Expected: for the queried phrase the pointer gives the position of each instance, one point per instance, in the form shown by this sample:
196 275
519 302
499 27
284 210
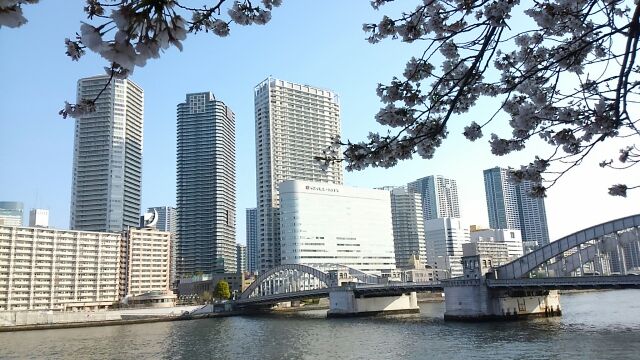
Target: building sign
321 188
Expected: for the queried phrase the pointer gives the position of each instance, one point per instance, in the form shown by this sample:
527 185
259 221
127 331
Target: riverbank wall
32 319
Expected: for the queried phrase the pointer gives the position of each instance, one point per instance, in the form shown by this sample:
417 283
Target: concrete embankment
36 320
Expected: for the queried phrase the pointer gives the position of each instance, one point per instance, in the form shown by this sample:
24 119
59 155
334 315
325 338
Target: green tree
222 290
206 296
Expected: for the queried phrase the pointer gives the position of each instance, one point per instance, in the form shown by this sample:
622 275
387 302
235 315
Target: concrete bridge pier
343 302
468 298
478 303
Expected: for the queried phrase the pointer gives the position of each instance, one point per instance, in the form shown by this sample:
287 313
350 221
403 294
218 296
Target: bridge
604 256
295 282
610 250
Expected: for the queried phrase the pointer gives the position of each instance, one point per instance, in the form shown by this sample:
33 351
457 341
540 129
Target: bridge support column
345 303
478 303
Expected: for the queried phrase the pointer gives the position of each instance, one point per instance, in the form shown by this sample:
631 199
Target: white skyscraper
445 237
294 123
408 226
439 196
510 207
107 156
324 223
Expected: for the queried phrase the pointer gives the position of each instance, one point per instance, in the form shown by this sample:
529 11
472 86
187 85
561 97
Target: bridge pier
468 298
343 302
479 303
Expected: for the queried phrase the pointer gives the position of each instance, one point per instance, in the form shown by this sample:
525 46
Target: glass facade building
11 213
252 240
206 186
509 206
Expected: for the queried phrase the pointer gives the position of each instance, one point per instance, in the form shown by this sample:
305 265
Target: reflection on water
595 325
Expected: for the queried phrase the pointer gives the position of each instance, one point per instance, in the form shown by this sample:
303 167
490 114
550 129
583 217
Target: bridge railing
568 282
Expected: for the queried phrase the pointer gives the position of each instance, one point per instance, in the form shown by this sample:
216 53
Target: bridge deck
358 290
569 283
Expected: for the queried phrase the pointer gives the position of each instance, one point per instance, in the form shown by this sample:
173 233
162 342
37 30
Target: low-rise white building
39 218
323 223
496 251
512 238
58 269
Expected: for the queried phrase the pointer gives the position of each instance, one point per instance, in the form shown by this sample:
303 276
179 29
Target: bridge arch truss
287 278
572 251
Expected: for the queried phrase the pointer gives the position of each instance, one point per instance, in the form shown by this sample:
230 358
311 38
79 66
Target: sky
319 43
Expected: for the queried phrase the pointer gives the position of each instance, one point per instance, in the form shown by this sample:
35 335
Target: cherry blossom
474 49
11 12
566 73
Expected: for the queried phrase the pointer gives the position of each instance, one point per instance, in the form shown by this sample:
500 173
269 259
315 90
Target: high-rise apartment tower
252 240
439 196
510 207
241 255
294 123
206 186
408 226
107 156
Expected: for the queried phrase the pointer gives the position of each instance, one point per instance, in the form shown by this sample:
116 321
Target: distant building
241 256
107 156
75 269
196 285
323 223
145 261
39 218
253 258
439 196
445 237
498 252
510 207
408 226
167 221
11 213
511 238
206 186
166 218
417 271
294 123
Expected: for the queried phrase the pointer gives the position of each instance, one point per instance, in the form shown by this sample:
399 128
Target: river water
595 325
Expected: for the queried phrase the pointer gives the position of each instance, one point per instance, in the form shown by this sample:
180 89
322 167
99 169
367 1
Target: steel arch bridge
572 252
286 280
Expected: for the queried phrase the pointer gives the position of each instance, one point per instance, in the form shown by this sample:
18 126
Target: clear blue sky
312 42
